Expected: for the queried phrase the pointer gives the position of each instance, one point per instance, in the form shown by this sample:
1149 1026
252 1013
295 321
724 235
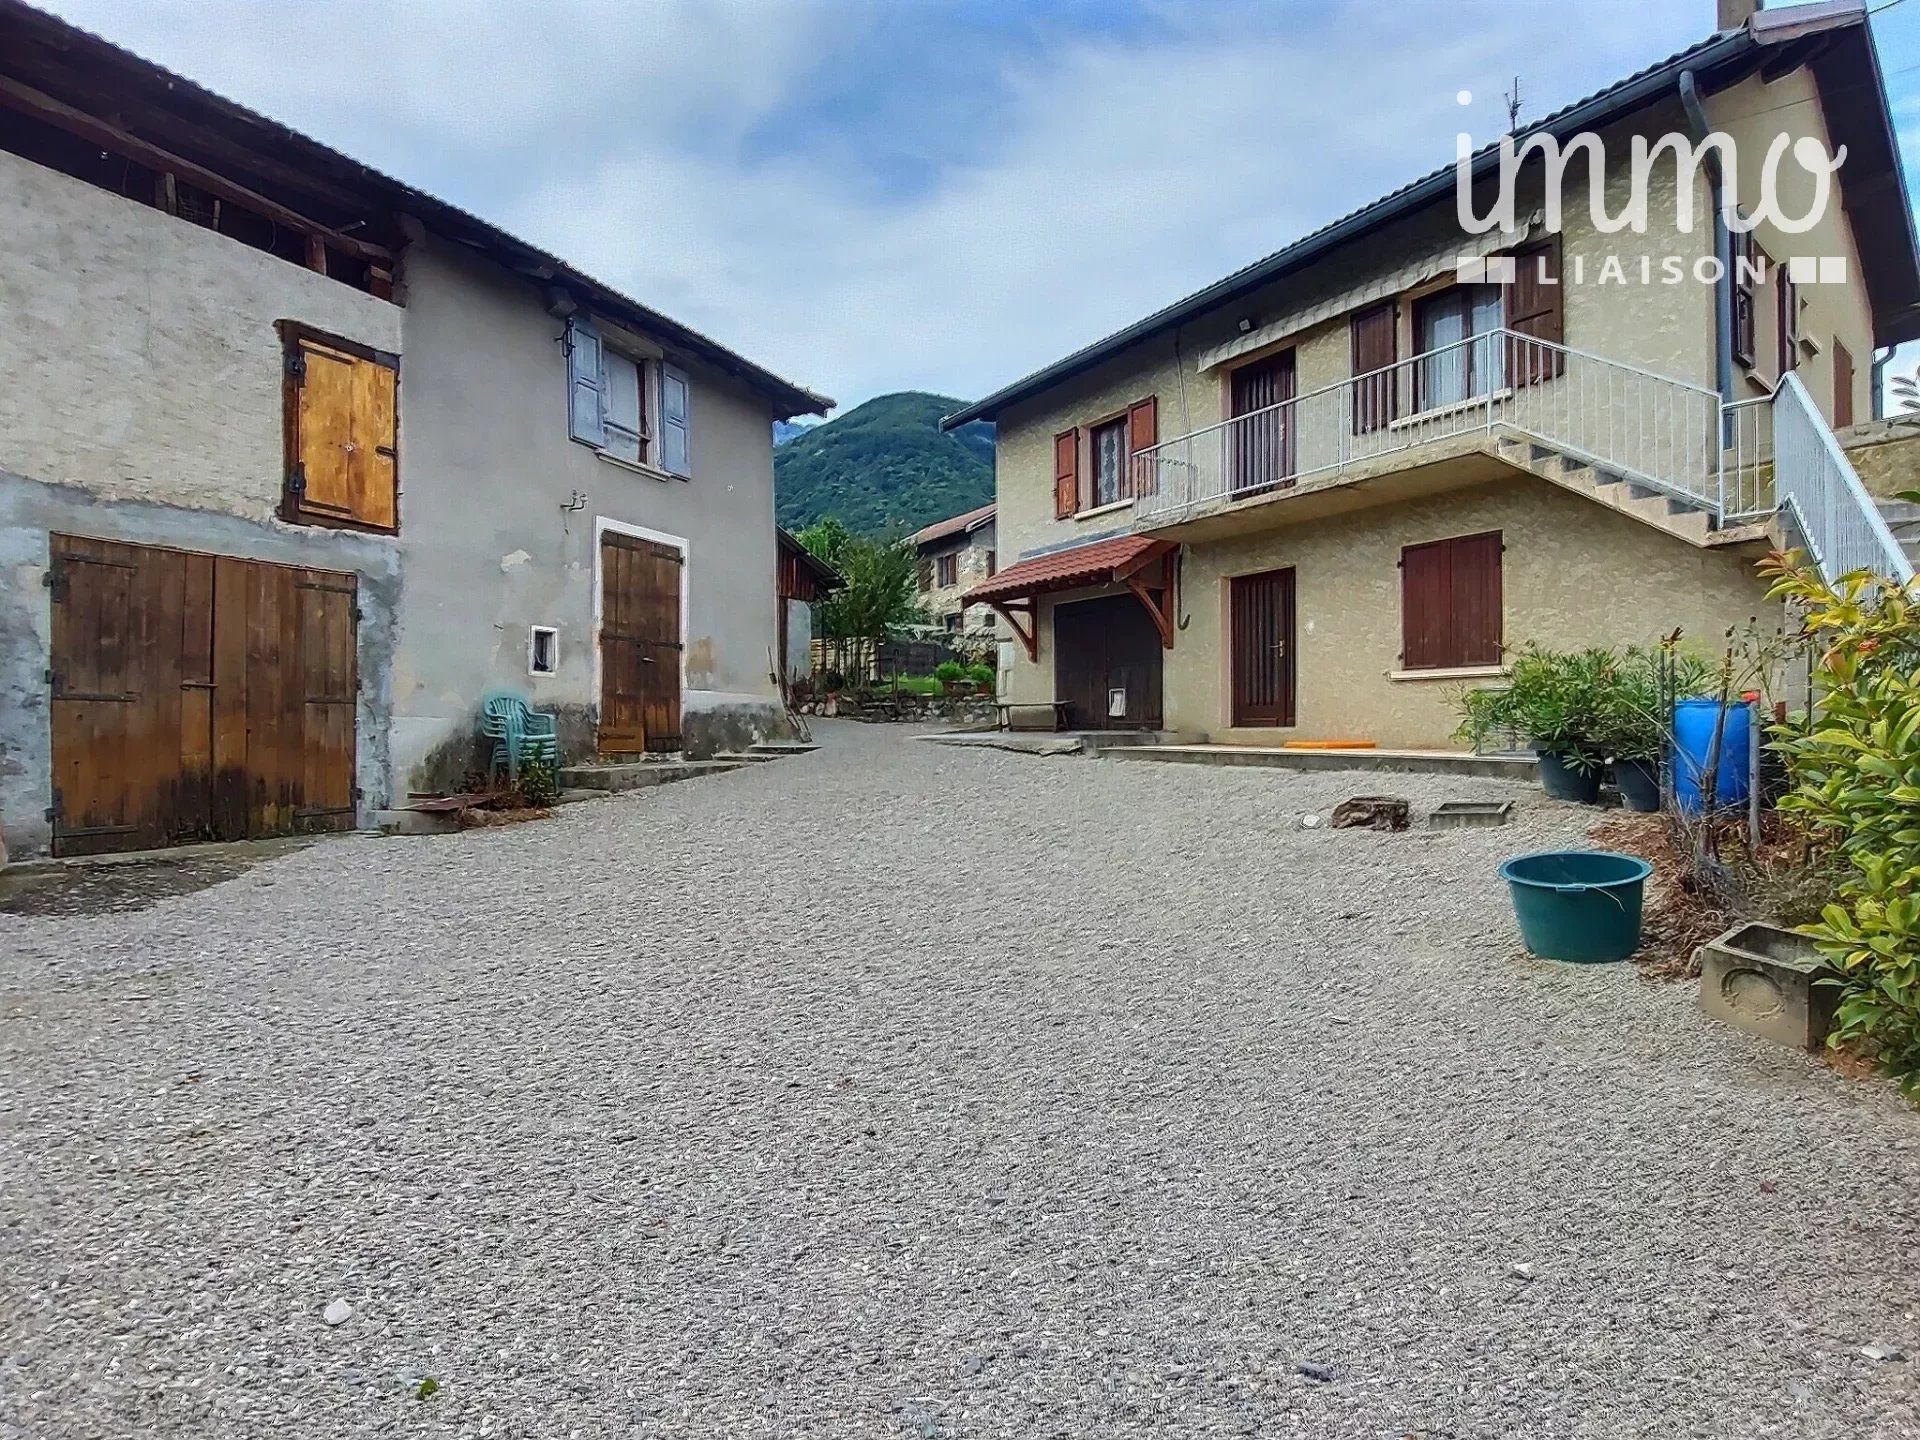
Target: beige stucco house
298 463
955 555
1318 498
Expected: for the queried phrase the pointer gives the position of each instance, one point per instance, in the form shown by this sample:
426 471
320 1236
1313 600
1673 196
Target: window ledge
638 467
1454 672
1106 509
1439 412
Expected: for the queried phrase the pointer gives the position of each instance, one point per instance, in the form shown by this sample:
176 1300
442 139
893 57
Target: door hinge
297 365
359 794
55 579
53 811
297 480
49 679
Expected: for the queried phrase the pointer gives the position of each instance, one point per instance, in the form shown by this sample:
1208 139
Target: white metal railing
1746 464
1648 428
1816 485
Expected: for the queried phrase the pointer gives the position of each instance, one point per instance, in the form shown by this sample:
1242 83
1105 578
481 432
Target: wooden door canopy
1142 564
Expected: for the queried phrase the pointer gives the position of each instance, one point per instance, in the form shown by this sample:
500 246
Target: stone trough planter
1760 979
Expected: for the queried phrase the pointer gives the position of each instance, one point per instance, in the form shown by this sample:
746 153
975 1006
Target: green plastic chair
519 734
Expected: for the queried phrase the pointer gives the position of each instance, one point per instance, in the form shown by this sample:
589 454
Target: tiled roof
952 525
1102 563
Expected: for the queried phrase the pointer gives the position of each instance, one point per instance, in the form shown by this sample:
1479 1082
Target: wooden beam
28 101
1029 634
1159 610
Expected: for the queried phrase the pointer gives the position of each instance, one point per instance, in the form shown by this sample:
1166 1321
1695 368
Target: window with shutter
1451 603
676 442
1066 474
585 419
1787 322
1742 277
342 440
1534 310
1375 338
1143 433
625 414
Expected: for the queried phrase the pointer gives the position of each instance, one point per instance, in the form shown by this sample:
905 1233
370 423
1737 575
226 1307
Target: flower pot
1564 781
1639 784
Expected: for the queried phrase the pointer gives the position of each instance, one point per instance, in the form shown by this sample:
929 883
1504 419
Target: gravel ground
907 1091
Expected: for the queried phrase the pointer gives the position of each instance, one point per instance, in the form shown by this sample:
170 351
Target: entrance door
1106 664
639 645
197 697
1261 449
1260 652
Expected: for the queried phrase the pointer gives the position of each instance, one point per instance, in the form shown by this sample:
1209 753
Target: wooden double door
640 644
197 697
1107 664
1260 639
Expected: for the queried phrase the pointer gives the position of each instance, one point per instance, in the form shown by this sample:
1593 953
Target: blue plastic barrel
1693 722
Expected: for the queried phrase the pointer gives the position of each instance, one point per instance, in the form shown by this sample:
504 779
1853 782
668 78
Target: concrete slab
781 747
641 774
1469 814
1397 762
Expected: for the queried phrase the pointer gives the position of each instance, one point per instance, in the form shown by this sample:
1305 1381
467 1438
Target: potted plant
1557 700
952 676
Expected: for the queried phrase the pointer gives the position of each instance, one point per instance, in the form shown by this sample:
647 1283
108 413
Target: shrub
539 784
832 681
1854 764
984 676
1584 705
948 671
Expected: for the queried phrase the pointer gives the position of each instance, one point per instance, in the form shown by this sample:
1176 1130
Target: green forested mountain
884 466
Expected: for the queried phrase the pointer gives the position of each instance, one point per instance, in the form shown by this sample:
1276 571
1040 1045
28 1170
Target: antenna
1513 106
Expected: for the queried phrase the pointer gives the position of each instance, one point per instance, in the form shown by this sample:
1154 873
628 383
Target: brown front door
197 697
1260 652
639 645
1106 664
1261 449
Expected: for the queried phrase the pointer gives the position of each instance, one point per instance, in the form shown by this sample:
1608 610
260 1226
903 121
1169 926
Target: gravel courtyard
901 1090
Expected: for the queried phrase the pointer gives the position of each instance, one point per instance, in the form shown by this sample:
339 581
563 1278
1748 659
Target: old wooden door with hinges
197 697
640 645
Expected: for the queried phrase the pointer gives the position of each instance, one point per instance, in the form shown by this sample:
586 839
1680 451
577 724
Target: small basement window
543 650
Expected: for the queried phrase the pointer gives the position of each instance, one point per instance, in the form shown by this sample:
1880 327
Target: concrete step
641 774
1398 762
745 757
781 747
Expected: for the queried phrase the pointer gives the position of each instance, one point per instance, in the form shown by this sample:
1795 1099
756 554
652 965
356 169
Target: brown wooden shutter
1143 433
1787 320
1534 309
1376 346
926 573
1451 602
342 420
1740 277
1066 473
1842 386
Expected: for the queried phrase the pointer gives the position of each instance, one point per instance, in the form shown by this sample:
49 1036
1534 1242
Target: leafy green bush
539 784
983 676
948 671
1584 705
1854 763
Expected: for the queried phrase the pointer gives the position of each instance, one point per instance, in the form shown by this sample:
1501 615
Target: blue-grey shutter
676 450
584 418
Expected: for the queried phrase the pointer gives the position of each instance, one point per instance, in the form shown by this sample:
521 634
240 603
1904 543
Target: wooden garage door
197 697
639 645
1106 664
1260 659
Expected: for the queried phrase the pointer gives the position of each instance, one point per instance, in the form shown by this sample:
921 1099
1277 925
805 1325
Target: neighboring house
955 555
804 580
1319 497
298 463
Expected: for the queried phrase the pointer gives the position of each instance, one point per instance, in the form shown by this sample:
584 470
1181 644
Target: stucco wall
487 467
140 359
140 401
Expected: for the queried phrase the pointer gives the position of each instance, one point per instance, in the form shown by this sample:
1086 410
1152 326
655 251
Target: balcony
1446 417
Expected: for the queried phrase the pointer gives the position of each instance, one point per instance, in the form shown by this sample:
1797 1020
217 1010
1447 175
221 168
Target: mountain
884 466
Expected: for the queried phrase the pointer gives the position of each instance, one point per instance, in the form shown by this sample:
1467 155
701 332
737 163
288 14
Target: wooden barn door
1260 650
197 697
639 645
1101 647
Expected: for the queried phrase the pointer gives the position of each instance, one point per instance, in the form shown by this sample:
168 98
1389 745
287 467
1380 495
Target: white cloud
1079 178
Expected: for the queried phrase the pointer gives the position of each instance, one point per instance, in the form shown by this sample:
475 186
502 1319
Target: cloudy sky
875 195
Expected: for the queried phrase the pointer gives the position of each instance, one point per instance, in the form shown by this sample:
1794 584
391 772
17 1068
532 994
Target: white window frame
534 632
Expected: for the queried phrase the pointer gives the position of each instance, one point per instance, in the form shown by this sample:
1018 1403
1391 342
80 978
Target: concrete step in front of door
774 749
641 774
1402 762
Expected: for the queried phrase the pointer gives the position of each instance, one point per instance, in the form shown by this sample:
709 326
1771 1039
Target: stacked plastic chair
519 734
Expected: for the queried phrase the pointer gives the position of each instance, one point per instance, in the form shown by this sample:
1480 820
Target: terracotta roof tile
1102 563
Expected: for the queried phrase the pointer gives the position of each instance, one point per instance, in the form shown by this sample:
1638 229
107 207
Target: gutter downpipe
1882 358
1723 250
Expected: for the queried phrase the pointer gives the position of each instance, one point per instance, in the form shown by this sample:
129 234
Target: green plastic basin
1578 905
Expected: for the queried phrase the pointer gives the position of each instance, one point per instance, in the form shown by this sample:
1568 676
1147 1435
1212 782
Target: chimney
1733 14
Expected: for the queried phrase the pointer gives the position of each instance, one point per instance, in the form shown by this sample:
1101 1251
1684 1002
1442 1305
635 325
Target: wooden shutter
1066 473
621 412
1375 335
1787 320
342 440
1740 277
1842 386
676 438
925 569
585 419
1535 310
1143 433
1451 603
